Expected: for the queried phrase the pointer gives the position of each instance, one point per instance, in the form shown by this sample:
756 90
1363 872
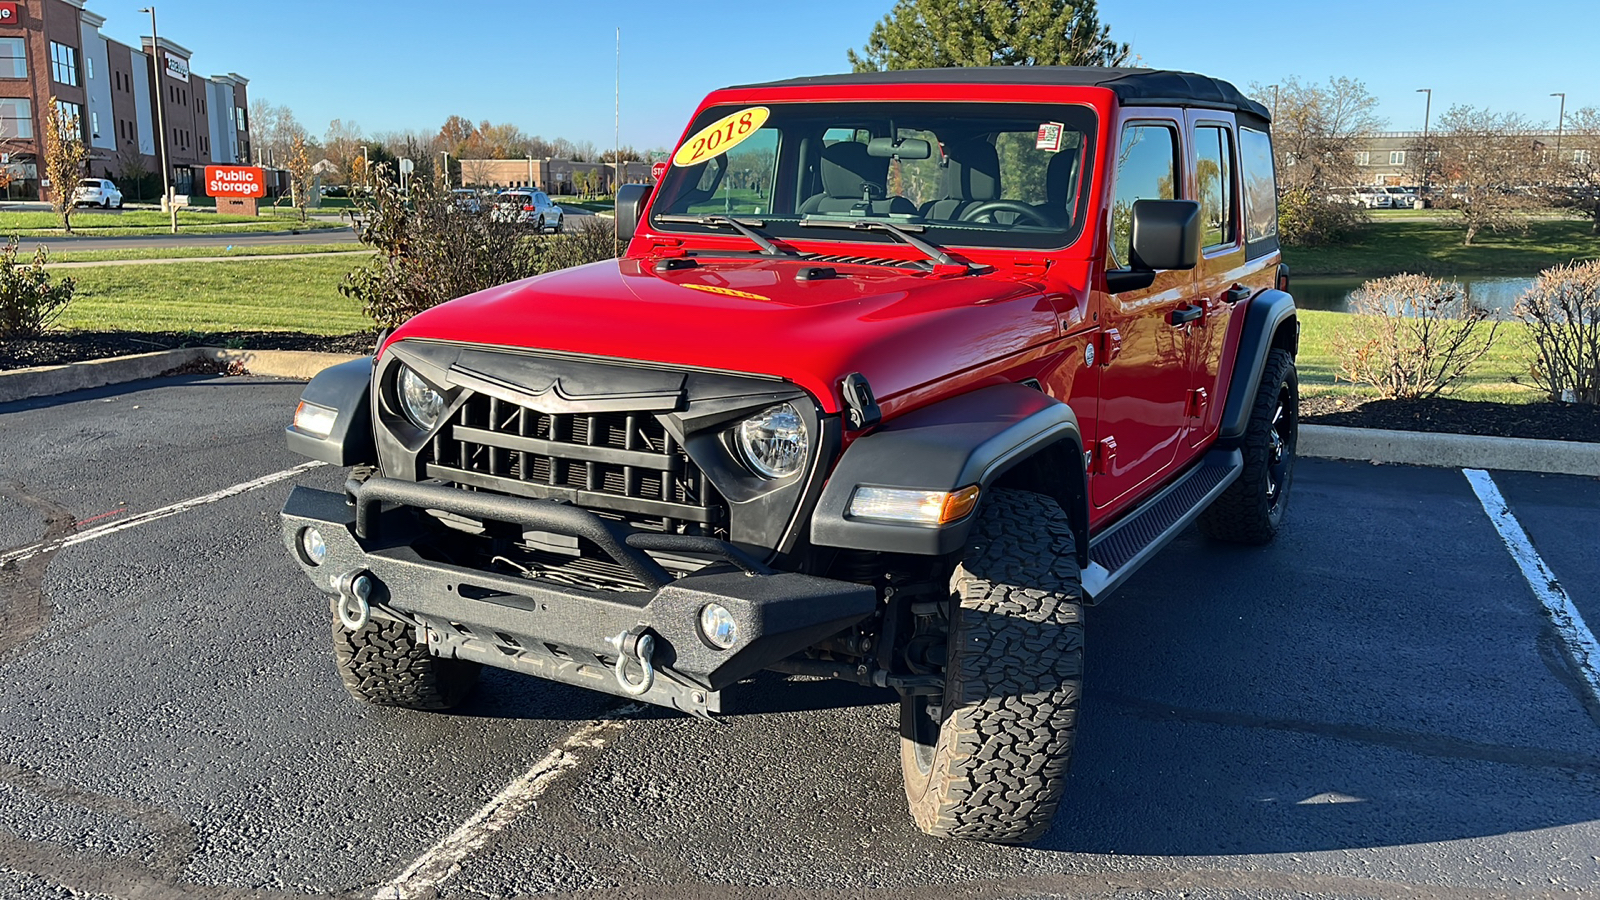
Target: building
1392 157
55 49
554 175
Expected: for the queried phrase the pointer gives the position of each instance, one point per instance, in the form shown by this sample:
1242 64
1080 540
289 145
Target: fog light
314 547
717 624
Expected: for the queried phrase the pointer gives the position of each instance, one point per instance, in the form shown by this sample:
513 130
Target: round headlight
774 441
717 624
418 400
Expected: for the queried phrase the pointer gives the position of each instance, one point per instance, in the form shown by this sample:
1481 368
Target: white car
97 192
528 208
1374 197
466 200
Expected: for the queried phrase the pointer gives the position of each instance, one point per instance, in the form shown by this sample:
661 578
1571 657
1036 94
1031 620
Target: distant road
321 236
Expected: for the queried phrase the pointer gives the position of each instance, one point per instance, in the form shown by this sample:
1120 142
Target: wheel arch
1009 435
1271 322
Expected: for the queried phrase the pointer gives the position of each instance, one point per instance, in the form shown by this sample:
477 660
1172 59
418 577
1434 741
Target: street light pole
161 120
1427 116
1561 121
530 171
1274 102
446 155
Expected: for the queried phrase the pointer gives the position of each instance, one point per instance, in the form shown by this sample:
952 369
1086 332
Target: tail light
529 209
1283 277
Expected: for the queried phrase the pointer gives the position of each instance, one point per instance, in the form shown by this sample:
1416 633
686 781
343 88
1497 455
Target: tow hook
638 644
355 592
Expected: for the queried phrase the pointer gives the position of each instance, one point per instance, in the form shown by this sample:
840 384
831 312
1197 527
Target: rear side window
1147 167
1214 180
1260 191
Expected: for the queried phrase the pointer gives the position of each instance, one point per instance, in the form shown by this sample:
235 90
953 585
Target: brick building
552 175
55 48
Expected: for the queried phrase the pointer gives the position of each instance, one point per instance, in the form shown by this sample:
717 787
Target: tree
272 130
342 144
924 34
64 155
132 172
1316 129
300 178
1575 180
1488 161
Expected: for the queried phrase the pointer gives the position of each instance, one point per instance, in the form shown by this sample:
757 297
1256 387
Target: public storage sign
9 14
235 181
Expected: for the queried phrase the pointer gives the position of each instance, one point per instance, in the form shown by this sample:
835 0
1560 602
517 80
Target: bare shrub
29 301
1412 336
432 249
1562 311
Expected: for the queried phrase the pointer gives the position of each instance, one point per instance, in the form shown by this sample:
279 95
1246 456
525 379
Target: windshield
1001 175
89 182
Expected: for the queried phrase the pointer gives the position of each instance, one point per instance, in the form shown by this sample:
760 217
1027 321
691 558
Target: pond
1495 292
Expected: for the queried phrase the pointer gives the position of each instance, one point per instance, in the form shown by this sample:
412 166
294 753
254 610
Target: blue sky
549 67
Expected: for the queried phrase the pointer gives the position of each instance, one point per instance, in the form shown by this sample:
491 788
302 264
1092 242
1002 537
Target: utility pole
1274 102
161 120
366 166
530 170
446 155
1561 121
1427 116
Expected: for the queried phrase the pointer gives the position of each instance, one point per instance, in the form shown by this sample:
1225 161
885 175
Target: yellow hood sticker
726 292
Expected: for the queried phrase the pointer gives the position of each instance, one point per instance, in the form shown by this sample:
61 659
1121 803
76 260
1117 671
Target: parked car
1374 197
466 199
97 192
892 431
1401 197
533 208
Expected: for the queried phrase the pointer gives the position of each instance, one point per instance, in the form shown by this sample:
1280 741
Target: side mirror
1166 236
631 199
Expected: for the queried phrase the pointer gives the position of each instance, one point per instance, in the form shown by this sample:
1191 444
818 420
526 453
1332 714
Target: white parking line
423 877
25 553
1579 641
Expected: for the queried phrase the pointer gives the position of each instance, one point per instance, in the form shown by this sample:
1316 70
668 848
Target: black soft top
1133 87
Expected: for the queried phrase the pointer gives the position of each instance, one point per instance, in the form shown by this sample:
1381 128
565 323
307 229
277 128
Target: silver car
528 208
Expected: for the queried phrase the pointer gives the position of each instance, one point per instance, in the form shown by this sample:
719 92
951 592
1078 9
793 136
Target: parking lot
1377 705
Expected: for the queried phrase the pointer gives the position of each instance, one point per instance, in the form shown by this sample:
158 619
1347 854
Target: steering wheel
990 207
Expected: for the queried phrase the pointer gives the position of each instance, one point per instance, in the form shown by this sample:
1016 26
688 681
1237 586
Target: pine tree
922 34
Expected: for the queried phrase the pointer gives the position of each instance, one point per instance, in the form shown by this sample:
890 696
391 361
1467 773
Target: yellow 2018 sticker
726 292
720 136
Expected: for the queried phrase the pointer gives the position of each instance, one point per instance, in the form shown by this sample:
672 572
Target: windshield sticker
726 292
720 136
1050 134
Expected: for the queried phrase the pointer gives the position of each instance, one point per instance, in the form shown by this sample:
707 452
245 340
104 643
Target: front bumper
553 630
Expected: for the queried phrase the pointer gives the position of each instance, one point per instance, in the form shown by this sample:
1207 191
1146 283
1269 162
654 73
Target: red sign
657 171
9 15
235 181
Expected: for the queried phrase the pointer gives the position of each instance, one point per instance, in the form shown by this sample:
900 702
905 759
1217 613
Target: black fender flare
345 389
977 438
1270 322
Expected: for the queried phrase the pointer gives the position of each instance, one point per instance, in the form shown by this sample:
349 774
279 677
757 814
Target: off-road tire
1009 713
1251 510
382 663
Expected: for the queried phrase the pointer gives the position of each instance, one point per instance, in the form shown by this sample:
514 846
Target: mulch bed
1548 421
74 346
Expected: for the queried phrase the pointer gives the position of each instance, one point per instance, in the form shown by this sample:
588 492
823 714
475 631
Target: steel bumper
598 640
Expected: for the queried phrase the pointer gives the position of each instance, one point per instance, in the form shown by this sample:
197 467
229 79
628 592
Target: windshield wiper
933 251
746 227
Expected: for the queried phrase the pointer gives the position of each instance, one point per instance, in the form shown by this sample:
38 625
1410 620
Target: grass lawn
192 252
135 222
261 295
1501 376
1403 242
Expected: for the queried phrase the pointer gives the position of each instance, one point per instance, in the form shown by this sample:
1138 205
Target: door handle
1236 293
1186 314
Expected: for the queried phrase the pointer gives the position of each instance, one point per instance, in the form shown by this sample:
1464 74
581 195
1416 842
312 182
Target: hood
899 328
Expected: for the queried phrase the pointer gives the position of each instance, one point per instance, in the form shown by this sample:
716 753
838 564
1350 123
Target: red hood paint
899 328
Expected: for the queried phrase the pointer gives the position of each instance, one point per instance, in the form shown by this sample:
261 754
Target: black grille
866 261
624 464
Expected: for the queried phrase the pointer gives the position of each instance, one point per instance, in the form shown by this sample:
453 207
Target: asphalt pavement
1376 705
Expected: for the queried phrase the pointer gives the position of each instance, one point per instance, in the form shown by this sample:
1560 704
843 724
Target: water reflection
1495 292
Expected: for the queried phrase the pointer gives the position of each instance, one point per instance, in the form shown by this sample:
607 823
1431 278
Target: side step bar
1120 550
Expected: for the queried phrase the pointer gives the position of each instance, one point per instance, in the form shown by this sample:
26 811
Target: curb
46 381
1455 451
1411 448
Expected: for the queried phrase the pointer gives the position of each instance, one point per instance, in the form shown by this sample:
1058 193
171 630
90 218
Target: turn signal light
913 507
317 421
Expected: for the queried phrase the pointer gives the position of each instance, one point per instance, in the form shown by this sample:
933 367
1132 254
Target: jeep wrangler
897 373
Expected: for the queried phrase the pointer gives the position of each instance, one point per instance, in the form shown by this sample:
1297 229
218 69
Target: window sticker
725 292
1050 134
720 136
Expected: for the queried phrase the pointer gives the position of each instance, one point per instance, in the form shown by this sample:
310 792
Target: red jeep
898 372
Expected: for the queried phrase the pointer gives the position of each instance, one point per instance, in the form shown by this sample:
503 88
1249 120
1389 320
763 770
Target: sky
551 68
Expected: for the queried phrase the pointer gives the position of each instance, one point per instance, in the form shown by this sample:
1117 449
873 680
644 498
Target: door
1145 371
1220 277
